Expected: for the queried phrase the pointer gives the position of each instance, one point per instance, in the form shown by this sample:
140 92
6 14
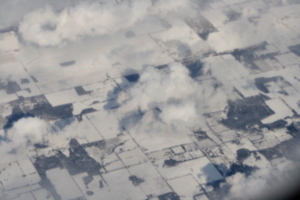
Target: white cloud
254 26
27 131
170 90
20 139
9 19
239 34
161 86
265 183
246 187
271 185
181 100
185 112
46 27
